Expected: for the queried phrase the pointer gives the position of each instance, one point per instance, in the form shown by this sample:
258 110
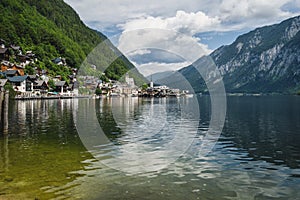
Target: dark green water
256 157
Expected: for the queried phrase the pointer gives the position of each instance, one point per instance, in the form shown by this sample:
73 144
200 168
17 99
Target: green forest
53 29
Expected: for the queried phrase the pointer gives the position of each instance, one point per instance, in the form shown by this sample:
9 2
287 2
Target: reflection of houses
61 86
21 83
2 84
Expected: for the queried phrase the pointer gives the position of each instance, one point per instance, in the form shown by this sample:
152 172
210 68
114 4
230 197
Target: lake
150 149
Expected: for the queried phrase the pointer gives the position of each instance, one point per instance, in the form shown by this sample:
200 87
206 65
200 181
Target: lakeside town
39 84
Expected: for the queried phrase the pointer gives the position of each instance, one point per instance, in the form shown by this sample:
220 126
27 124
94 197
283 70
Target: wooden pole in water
1 104
5 114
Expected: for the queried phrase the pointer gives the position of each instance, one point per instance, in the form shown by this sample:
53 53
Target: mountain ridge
265 60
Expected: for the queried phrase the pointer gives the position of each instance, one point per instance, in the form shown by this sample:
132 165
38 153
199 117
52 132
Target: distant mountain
266 60
53 29
160 75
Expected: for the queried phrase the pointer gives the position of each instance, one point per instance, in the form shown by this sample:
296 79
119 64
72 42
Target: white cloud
238 14
106 15
114 12
181 45
139 52
172 34
171 25
183 22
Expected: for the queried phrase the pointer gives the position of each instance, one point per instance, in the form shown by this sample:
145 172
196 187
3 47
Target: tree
12 92
98 91
144 86
51 84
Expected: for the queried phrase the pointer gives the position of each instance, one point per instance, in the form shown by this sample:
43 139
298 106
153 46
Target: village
40 85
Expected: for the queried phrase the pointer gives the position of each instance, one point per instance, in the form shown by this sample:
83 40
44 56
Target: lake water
45 154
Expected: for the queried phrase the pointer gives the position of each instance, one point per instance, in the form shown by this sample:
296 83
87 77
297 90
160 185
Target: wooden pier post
1 104
5 113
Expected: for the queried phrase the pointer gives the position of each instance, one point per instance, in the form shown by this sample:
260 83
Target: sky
161 35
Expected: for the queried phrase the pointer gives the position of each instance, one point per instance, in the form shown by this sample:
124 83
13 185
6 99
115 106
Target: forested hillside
53 29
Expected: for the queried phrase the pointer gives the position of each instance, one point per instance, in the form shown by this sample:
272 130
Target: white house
21 83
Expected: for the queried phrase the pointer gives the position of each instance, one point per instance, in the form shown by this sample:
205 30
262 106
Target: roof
19 66
11 72
32 76
3 50
2 82
15 47
76 84
57 60
60 83
6 63
17 79
39 83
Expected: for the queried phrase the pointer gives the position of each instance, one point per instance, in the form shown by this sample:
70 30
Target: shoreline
93 97
50 97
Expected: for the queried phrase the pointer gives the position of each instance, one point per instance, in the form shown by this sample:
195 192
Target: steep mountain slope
160 75
265 60
52 29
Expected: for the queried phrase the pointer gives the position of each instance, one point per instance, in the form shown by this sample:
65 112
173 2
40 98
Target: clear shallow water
256 157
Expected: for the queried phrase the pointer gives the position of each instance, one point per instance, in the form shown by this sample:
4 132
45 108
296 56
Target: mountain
265 60
159 75
53 29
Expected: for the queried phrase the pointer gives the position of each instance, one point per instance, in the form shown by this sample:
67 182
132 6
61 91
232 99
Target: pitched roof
57 60
2 41
3 50
19 66
60 83
17 79
2 82
11 72
39 83
32 77
16 48
6 63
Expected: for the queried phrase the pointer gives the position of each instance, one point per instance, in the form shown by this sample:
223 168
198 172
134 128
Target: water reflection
267 128
40 151
256 157
155 132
